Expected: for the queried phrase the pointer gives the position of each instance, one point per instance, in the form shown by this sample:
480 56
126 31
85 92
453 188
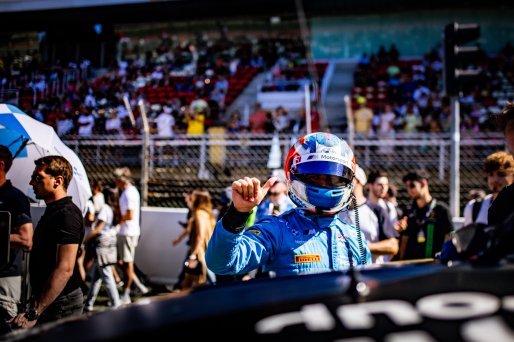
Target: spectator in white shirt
113 124
165 122
85 123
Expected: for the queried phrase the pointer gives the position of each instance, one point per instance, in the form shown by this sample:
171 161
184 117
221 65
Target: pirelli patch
255 231
300 259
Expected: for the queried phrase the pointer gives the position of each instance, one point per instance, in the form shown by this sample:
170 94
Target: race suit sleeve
232 252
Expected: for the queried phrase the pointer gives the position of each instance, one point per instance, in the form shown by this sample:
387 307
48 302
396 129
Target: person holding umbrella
13 201
54 279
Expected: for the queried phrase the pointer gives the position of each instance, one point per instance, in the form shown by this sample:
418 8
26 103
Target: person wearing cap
373 220
312 238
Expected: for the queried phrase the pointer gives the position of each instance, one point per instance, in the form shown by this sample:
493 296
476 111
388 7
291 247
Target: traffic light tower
455 74
457 56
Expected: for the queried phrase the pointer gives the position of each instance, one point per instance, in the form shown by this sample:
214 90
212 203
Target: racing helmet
319 171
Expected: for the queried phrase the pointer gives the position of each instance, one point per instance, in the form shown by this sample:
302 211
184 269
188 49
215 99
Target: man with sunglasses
309 239
427 223
277 202
54 279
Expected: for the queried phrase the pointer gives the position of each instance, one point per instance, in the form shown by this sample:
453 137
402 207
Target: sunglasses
274 193
410 185
36 178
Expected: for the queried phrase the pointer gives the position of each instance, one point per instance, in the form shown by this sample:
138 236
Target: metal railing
213 161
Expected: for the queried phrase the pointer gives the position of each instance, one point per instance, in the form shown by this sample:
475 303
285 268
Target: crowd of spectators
411 91
197 78
197 73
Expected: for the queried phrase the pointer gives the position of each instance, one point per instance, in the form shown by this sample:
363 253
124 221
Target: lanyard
429 239
422 222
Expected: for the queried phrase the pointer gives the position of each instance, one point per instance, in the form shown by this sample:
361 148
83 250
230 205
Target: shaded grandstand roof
25 17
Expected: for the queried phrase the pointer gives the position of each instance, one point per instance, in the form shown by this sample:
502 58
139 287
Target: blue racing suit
291 243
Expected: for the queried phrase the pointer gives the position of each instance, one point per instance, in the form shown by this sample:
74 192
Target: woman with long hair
199 229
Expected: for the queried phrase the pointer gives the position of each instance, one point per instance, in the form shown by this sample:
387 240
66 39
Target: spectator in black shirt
55 283
17 204
428 222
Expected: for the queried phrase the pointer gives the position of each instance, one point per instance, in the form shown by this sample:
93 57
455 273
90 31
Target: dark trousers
64 306
4 326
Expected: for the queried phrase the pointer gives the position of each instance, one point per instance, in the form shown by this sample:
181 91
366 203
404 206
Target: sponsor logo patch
255 231
299 259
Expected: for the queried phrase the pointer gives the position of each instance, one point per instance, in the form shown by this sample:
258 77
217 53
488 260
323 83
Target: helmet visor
324 181
336 170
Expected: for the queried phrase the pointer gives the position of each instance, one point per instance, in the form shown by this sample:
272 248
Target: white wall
155 255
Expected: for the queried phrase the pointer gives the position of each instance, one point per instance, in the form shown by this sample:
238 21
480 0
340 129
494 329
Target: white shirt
165 123
482 214
385 122
90 208
130 199
368 223
106 215
89 120
391 210
113 124
64 126
98 201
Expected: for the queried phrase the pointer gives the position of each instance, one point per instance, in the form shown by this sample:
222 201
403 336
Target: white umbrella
28 139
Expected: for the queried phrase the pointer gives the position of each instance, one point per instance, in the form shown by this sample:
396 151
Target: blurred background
262 73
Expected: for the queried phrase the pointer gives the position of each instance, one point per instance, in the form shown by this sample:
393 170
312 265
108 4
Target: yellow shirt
363 117
195 124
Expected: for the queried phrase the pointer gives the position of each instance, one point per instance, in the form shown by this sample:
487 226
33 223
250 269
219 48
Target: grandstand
174 52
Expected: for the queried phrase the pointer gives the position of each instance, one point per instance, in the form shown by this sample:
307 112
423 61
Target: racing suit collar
323 221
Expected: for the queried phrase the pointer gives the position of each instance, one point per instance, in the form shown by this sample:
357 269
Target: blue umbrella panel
15 142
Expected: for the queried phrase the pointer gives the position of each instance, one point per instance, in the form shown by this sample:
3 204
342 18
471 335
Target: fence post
349 120
307 109
275 154
455 158
202 171
151 160
442 156
144 155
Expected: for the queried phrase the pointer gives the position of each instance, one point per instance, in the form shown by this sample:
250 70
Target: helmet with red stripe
319 170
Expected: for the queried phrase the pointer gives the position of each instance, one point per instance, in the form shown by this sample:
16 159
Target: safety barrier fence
172 166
